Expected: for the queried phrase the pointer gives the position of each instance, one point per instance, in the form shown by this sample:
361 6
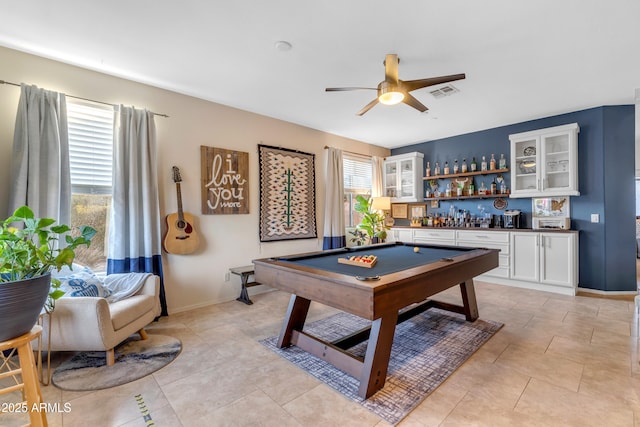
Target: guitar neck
179 195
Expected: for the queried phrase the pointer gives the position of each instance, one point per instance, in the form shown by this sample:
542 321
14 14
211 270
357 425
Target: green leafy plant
31 247
359 237
372 221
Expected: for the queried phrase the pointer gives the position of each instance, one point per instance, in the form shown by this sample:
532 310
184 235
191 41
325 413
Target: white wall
227 240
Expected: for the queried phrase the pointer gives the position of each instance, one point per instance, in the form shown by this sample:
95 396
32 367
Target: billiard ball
416 249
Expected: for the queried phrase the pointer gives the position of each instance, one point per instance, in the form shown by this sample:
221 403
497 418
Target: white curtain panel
40 171
376 176
134 226
334 232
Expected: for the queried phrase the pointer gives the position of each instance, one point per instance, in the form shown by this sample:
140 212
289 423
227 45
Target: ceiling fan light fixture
391 98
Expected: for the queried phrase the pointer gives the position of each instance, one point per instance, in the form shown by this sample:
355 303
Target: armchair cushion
130 310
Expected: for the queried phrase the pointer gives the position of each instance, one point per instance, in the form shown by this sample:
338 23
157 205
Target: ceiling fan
392 90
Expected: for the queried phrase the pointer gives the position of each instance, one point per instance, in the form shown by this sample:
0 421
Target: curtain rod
350 152
84 99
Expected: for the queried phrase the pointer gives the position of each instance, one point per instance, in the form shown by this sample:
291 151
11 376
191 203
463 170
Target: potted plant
359 237
372 221
30 248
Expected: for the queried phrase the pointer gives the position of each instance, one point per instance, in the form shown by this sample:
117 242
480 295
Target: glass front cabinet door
402 177
545 162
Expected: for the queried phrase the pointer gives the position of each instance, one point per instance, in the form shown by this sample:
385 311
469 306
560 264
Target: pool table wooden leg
469 300
376 360
294 319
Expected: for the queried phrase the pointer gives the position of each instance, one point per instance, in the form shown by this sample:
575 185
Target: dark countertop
542 230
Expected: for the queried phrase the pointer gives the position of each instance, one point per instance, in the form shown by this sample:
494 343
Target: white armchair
93 324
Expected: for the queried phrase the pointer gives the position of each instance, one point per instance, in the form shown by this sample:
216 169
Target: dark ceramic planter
20 305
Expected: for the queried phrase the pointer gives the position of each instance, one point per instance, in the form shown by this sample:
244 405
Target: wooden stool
32 397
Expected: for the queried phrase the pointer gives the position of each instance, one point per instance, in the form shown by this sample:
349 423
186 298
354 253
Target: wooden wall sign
225 181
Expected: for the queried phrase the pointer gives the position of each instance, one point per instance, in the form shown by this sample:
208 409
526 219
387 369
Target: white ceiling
523 59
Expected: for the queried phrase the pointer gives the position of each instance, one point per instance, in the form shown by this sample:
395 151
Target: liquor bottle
428 170
436 170
493 187
482 190
456 169
483 165
471 189
503 188
503 162
492 163
464 165
446 168
474 165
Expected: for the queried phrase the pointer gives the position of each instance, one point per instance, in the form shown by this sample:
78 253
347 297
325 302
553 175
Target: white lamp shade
381 203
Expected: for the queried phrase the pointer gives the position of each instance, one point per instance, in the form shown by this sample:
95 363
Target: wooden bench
244 272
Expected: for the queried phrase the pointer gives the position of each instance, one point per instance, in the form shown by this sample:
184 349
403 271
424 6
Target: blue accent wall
606 167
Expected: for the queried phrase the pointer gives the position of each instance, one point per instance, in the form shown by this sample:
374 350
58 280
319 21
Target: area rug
135 358
426 350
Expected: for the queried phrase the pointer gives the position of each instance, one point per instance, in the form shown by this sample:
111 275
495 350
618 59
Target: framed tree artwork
287 194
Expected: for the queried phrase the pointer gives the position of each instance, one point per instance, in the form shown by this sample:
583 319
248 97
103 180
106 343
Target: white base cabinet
546 261
491 240
525 264
434 236
558 259
547 258
400 235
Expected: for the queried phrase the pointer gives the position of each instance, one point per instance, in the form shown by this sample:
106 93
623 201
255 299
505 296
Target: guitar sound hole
184 226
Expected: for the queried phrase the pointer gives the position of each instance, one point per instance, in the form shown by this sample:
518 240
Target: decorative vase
20 305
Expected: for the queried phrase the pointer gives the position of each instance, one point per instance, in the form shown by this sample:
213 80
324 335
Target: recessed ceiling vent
444 91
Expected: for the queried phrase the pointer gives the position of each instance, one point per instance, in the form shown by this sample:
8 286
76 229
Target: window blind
357 174
90 147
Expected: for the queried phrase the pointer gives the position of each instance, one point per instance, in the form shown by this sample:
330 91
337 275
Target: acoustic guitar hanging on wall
181 238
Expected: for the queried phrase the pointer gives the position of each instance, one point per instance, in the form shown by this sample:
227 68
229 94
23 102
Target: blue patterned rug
426 350
135 358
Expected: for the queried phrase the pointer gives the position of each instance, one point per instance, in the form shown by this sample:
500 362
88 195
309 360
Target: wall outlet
227 276
595 218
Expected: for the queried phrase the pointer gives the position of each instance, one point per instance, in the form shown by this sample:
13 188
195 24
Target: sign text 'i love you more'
225 181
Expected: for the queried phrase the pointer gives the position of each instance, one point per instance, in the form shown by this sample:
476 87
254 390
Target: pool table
396 288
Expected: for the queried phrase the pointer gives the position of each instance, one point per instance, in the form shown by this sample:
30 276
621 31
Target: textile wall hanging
225 181
287 194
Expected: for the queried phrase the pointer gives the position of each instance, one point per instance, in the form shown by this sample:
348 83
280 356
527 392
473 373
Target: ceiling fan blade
367 107
412 101
338 89
410 85
391 68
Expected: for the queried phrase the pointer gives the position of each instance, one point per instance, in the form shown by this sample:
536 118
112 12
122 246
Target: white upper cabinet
544 162
402 177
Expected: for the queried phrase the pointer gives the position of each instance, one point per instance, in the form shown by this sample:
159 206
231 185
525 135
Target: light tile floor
558 361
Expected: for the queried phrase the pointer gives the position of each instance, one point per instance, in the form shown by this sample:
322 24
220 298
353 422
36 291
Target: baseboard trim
623 295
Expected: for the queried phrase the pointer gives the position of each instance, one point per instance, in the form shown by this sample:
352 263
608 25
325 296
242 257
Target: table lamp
383 204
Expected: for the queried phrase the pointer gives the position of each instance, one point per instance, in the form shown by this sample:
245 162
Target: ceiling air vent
444 91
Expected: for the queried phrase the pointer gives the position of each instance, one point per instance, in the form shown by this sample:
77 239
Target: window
357 181
91 162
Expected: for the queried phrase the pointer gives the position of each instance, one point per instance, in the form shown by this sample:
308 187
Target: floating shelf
476 196
456 175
